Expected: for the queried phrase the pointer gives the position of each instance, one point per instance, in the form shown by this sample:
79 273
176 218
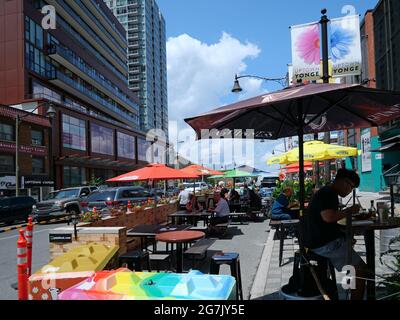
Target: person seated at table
193 205
234 195
183 197
281 206
322 233
234 199
221 211
246 193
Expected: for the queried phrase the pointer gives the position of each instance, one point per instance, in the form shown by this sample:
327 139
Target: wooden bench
241 216
199 249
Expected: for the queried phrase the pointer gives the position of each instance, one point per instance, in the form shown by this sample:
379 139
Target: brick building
81 67
34 161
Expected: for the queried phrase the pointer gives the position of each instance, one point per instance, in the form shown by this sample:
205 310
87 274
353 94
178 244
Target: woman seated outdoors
193 205
221 211
281 206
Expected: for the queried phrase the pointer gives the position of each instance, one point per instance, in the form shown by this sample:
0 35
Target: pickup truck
61 203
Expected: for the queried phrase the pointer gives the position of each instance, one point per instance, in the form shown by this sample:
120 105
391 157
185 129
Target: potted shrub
90 216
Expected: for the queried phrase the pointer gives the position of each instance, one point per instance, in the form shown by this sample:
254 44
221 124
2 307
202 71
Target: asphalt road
248 240
8 257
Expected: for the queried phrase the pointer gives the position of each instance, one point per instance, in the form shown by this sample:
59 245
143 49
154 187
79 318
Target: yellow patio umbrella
315 151
278 159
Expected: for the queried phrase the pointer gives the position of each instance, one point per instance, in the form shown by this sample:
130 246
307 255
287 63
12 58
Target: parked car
197 186
269 182
61 203
106 199
15 209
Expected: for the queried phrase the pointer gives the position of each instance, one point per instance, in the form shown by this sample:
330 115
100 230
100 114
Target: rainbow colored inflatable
122 284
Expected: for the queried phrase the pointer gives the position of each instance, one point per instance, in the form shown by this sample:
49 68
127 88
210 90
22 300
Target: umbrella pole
155 201
301 180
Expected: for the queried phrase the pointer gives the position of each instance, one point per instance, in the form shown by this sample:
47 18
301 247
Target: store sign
37 181
345 44
379 156
366 163
36 151
62 237
7 182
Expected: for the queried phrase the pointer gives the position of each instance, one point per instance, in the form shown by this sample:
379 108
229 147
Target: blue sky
209 41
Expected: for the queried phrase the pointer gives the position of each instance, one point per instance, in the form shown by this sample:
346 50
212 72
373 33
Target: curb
8 229
260 280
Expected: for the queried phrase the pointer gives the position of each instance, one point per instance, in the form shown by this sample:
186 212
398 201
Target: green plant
95 182
308 185
90 216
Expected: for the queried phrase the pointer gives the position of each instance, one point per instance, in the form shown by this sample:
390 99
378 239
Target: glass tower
145 27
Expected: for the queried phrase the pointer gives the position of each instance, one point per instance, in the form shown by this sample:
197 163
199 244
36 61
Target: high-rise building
145 27
80 66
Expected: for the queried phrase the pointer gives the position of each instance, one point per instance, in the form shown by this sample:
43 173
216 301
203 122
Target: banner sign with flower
306 52
345 44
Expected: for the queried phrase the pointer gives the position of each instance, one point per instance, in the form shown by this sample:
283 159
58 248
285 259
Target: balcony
109 23
79 5
67 28
87 73
81 26
92 98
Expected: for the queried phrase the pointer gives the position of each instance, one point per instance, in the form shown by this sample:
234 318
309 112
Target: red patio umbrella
153 172
295 167
200 170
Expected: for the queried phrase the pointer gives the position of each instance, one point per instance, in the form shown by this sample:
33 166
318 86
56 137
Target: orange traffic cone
29 239
22 266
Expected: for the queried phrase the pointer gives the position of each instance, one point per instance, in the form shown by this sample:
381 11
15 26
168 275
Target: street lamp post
237 88
50 114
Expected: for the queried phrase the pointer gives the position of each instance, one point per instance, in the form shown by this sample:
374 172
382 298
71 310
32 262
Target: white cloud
201 74
200 78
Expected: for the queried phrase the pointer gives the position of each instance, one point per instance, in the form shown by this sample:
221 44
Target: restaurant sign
36 181
61 237
34 150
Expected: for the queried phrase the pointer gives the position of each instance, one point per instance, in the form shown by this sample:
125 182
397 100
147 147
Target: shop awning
388 147
76 159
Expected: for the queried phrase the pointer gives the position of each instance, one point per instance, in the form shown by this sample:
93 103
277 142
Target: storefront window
7 163
102 139
126 146
74 133
6 132
37 165
74 176
143 145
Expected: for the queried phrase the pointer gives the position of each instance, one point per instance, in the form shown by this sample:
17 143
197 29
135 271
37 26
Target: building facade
81 67
34 161
380 39
147 60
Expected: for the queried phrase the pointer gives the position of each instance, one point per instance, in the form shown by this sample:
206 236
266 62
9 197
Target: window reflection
102 139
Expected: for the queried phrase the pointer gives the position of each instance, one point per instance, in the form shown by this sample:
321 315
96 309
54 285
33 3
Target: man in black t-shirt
322 233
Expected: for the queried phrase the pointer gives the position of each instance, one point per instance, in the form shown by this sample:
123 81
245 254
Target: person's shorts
336 252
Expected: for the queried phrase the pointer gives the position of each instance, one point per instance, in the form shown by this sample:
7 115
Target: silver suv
61 203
